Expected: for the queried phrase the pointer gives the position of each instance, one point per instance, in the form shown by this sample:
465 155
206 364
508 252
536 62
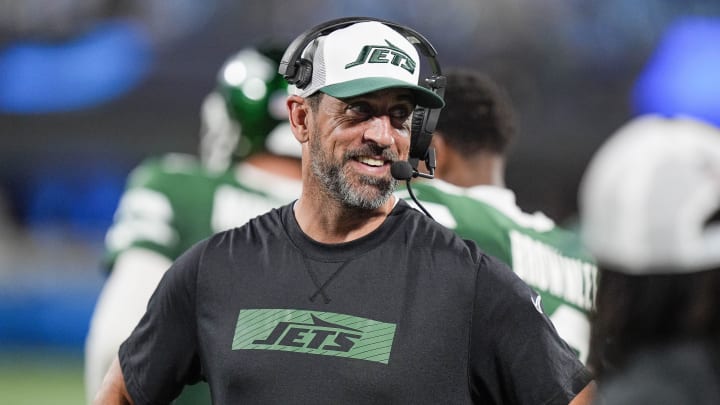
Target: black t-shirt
410 313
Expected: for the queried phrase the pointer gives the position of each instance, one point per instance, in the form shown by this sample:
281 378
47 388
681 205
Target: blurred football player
469 195
249 163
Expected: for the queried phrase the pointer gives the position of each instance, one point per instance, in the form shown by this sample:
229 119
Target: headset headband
289 62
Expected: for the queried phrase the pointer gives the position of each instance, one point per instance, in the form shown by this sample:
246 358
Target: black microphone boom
403 170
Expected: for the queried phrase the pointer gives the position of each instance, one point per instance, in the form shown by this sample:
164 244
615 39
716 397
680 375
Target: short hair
478 114
314 100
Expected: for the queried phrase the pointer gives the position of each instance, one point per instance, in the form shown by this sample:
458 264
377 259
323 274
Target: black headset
298 71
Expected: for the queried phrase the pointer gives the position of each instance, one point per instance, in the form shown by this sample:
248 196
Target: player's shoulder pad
167 168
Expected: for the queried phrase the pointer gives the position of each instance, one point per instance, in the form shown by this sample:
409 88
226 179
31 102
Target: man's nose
380 130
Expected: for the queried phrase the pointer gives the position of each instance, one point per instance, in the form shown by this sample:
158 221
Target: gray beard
370 194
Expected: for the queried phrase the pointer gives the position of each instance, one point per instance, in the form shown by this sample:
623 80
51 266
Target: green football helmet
246 113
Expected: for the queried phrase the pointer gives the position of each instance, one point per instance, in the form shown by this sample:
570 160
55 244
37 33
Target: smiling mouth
371 161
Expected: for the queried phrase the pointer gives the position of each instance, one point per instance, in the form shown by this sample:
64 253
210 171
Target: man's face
354 141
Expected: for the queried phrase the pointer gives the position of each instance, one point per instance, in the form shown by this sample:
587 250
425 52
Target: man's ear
299 114
441 149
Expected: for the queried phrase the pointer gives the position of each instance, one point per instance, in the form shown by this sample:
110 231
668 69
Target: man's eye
361 109
400 116
401 113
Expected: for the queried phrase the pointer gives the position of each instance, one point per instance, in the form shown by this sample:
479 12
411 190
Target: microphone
403 170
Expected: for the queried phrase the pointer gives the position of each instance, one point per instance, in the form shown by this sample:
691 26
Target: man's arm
113 390
586 396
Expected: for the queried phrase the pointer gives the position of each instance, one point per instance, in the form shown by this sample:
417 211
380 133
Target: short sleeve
161 355
516 356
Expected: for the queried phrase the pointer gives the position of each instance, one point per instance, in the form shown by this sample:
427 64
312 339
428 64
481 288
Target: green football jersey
172 202
550 259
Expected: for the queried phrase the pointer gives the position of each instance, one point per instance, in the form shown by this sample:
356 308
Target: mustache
372 150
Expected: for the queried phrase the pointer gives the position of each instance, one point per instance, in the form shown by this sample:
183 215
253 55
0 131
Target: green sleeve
165 207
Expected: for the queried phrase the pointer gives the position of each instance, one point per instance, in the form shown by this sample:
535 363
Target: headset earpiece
419 142
303 74
424 121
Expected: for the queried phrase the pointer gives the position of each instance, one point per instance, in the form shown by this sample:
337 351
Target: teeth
371 161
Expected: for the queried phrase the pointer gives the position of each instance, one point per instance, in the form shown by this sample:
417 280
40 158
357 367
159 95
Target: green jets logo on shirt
314 332
384 54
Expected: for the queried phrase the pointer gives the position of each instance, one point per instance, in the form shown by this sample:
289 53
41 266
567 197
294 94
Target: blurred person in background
248 163
469 195
650 214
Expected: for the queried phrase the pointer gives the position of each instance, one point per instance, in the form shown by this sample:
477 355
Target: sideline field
41 377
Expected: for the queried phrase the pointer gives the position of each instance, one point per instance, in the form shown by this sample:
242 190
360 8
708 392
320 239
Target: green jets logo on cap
314 332
384 54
